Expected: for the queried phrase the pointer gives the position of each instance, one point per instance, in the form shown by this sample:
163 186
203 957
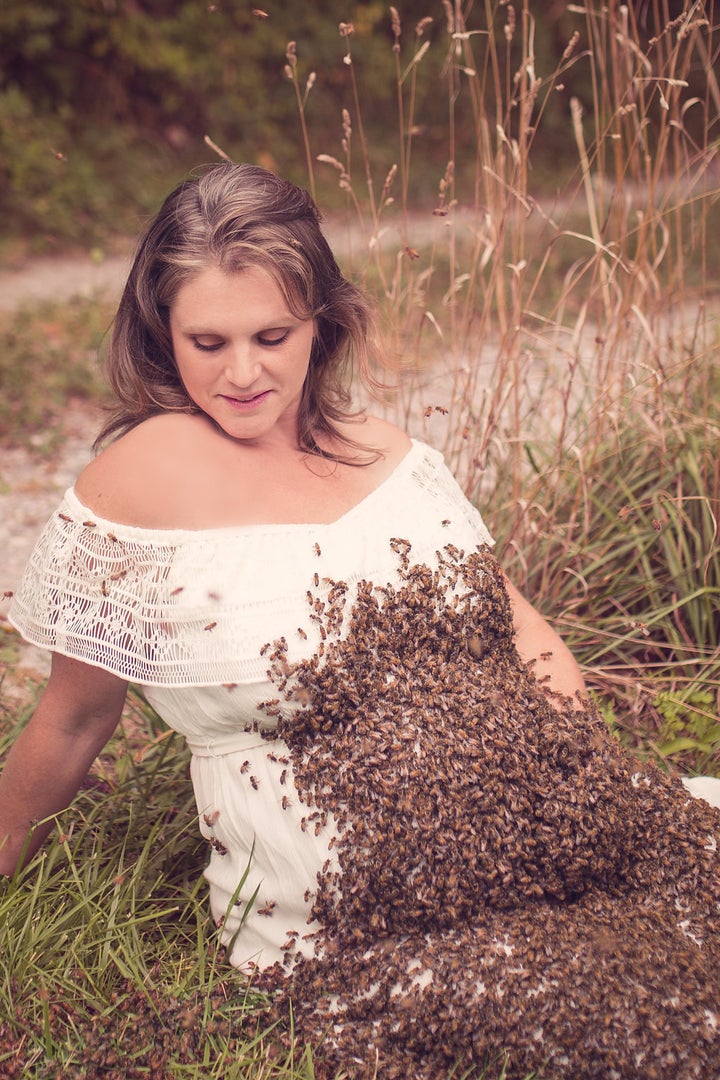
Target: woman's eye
273 337
207 344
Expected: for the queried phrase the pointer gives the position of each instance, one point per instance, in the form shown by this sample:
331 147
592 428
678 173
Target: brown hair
234 217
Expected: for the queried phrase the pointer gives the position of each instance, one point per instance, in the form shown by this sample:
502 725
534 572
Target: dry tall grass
561 346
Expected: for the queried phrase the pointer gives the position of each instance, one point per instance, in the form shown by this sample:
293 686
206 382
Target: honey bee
210 626
8 594
255 783
316 549
211 819
267 909
285 802
302 633
245 766
176 592
90 524
65 517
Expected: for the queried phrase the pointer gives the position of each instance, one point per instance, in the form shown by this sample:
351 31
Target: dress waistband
236 742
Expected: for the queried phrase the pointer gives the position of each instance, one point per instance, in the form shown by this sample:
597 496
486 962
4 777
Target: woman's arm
74 718
539 645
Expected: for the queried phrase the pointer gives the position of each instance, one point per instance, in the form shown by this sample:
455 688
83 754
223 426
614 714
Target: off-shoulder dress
376 766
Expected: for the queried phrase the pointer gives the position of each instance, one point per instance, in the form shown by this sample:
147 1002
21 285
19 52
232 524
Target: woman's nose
243 366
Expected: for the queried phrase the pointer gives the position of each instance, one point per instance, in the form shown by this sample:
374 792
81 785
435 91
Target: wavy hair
236 216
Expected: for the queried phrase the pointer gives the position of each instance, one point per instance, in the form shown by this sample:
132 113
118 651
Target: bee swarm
507 880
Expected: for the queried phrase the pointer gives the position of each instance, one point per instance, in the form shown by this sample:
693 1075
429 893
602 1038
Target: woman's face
241 354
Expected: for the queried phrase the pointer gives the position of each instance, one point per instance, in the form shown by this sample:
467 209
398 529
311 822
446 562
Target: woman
415 820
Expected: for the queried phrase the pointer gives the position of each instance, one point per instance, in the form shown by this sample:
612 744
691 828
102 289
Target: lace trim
195 608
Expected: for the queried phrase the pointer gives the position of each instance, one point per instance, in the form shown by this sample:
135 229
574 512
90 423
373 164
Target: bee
283 776
90 524
210 819
176 592
445 522
210 626
316 549
285 802
229 685
8 594
316 580
104 588
65 517
255 783
268 908
112 538
302 633
245 766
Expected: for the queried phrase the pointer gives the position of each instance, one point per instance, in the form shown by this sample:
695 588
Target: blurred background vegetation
105 104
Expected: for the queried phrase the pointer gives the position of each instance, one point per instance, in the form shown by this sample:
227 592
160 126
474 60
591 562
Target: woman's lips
244 404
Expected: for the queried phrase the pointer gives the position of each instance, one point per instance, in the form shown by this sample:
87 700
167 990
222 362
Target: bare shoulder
378 434
134 479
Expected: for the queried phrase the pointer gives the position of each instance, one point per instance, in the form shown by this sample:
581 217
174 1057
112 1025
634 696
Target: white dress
444 865
187 615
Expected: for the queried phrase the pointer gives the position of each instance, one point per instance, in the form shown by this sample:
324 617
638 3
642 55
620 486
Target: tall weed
562 347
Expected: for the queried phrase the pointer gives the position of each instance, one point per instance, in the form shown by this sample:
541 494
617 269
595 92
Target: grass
107 940
563 353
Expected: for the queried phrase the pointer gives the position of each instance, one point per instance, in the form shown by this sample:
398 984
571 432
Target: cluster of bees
510 892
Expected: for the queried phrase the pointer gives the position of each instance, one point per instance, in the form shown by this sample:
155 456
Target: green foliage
691 726
104 106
